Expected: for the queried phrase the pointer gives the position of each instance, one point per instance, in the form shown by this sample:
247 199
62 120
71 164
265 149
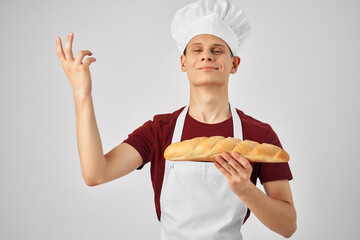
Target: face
208 61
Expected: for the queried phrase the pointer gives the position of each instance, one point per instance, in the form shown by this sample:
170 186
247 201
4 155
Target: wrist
81 94
248 191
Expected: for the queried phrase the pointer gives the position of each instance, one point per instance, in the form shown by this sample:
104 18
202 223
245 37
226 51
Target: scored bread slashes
207 148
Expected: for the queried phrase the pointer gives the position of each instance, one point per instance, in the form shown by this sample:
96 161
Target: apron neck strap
237 128
179 125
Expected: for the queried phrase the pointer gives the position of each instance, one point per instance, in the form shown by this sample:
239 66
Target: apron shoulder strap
179 125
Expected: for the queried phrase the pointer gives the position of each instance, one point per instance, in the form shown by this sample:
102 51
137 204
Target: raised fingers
60 51
68 47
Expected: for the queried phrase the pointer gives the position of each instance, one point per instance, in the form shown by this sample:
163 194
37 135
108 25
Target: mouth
208 68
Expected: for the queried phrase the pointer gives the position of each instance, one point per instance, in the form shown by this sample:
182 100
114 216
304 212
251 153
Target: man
193 200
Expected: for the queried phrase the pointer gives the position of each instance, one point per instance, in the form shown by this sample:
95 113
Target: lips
208 68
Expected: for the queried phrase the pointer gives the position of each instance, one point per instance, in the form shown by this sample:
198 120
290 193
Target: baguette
206 149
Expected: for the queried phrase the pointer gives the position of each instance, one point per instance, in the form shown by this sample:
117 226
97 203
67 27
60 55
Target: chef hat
216 17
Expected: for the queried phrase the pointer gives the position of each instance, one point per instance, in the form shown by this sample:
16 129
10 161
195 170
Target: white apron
196 201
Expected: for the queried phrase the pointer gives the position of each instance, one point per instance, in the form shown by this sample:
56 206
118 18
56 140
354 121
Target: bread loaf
206 149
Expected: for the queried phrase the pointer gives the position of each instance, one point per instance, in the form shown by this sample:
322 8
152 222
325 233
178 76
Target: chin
207 81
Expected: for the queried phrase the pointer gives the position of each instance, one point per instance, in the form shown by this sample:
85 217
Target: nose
210 59
207 56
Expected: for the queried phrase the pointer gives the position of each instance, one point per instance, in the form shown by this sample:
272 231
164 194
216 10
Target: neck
209 104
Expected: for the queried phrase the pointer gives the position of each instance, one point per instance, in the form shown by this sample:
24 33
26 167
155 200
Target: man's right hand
77 72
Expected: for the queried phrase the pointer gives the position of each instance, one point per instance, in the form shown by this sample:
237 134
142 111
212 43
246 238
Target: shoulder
166 121
166 118
253 128
158 123
251 120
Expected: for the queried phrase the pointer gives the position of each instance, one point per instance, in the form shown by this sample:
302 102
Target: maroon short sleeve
274 171
141 138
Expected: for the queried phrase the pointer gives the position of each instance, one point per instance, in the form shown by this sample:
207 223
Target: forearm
88 137
277 215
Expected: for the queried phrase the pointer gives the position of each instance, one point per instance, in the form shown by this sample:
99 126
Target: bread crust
206 149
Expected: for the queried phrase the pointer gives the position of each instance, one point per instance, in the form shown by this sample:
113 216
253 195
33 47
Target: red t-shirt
152 138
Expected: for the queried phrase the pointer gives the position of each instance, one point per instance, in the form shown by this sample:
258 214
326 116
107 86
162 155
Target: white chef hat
216 17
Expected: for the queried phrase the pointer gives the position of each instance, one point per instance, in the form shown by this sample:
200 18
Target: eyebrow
215 44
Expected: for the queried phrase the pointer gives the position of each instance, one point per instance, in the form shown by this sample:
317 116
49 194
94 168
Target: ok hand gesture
76 71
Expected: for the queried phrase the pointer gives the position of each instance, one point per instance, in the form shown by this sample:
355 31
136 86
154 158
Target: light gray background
299 73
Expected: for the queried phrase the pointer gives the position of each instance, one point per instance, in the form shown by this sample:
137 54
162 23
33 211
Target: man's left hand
237 170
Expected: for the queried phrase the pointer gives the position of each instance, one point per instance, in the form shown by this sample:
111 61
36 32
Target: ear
236 62
183 63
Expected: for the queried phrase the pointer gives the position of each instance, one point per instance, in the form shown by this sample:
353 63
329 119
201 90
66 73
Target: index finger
59 48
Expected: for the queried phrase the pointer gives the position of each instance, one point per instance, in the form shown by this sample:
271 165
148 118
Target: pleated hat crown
221 18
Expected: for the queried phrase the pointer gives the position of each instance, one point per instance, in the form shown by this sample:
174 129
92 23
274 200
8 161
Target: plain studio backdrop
299 73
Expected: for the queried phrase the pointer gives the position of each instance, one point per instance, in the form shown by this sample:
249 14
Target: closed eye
218 51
